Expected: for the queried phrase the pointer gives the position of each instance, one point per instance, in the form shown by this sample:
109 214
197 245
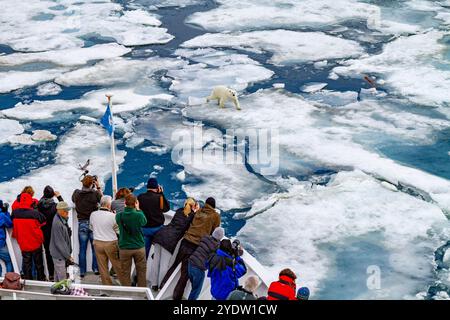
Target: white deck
41 290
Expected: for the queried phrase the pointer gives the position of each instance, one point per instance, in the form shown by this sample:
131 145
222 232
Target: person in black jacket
47 206
153 203
197 261
86 200
166 239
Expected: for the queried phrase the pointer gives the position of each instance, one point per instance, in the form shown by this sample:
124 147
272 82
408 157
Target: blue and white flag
107 121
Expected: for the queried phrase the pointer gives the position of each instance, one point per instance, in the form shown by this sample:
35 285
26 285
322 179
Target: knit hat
211 202
49 192
303 293
152 183
218 233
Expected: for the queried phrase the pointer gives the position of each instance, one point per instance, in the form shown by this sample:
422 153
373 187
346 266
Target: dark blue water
433 158
350 273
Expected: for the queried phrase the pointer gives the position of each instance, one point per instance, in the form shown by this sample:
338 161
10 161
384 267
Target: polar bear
222 94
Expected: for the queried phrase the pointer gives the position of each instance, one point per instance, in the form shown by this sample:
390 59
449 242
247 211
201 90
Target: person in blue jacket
5 222
225 268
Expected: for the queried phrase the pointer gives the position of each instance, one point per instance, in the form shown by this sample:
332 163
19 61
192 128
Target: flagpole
113 152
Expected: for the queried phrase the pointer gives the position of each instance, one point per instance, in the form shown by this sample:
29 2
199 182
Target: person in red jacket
284 288
27 223
29 190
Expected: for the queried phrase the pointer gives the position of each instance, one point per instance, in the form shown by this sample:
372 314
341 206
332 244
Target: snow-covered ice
287 46
66 57
124 100
48 89
309 133
9 128
308 229
43 135
313 87
256 14
208 168
410 66
118 71
234 71
13 80
43 25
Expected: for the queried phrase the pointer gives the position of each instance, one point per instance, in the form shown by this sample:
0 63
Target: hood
222 253
287 279
87 190
46 203
207 210
49 192
26 201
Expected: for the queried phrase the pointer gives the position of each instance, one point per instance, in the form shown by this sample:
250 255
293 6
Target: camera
236 248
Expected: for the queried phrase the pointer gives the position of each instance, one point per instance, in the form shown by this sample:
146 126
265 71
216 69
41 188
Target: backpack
12 281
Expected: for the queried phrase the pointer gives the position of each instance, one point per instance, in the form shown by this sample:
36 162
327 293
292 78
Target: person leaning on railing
166 239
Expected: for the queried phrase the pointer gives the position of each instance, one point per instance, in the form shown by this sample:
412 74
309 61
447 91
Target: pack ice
333 234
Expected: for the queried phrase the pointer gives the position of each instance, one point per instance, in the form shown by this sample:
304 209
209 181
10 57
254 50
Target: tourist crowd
121 232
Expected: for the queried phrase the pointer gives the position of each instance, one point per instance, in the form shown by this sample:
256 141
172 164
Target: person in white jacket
105 230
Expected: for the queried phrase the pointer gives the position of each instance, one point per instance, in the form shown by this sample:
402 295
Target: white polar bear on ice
222 94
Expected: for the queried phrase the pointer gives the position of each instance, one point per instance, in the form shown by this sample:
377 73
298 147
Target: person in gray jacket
247 292
60 244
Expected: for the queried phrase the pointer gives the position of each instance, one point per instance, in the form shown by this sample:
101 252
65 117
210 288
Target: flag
107 121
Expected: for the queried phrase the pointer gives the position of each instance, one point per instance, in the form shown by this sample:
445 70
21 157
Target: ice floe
9 128
118 71
313 87
13 80
124 100
66 57
48 89
330 138
410 66
286 46
171 3
354 222
142 17
82 142
246 15
28 139
43 135
278 85
156 150
197 80
234 15
44 25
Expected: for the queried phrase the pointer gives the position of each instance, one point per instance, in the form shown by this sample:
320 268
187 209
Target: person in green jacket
131 241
